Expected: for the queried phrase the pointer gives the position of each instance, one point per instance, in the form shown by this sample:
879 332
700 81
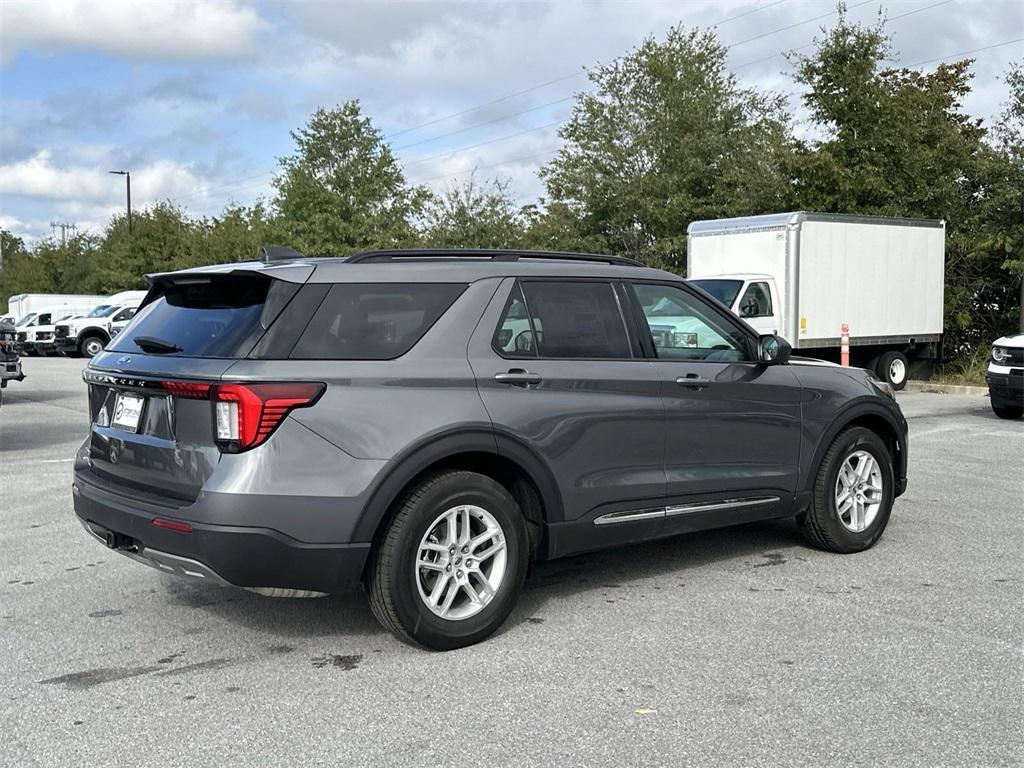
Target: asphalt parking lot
734 647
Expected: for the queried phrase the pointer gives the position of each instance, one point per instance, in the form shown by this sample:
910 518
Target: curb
946 389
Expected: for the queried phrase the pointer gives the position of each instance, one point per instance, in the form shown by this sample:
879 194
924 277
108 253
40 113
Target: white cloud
160 29
39 176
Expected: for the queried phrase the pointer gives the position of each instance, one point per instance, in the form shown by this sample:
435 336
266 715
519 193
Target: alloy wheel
461 562
859 491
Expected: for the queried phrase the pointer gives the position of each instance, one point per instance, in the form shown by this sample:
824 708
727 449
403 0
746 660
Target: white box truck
809 276
23 304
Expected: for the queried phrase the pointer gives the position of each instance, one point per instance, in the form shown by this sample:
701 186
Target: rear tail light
245 415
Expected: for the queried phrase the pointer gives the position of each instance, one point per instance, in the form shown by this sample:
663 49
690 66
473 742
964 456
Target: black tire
1007 411
392 578
894 368
86 346
820 524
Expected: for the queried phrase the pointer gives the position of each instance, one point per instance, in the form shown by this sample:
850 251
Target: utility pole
128 187
64 227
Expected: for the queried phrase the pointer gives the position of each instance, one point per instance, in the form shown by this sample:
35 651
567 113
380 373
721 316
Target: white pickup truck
807 276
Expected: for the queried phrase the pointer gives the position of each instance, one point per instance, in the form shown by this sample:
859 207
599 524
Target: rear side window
373 321
576 320
217 316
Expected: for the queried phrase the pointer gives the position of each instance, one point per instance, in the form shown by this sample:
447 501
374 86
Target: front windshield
102 310
26 319
723 290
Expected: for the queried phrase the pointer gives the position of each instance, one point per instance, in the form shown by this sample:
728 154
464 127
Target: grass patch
969 371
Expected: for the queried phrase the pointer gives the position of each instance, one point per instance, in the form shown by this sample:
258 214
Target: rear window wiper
155 345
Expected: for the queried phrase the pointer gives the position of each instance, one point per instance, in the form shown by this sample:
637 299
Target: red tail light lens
245 415
195 390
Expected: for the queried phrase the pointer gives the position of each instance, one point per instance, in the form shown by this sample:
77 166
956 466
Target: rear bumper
257 558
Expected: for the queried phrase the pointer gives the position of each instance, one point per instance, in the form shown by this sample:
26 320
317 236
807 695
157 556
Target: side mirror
773 349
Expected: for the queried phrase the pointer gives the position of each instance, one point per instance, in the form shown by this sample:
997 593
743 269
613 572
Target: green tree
343 190
20 272
474 215
667 136
896 142
235 235
161 240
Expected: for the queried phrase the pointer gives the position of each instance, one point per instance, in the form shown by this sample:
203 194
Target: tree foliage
667 136
343 190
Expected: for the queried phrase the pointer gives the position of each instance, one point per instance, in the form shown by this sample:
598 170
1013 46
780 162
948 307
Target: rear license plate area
127 412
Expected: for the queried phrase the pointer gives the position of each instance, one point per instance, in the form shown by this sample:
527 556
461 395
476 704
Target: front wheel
853 494
452 562
91 346
1008 411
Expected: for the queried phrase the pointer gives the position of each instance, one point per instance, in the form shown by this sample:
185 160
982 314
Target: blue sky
197 98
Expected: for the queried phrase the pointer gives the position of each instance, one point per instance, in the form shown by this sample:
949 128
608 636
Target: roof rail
495 254
270 253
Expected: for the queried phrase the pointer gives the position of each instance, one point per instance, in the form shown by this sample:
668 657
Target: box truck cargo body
807 276
22 304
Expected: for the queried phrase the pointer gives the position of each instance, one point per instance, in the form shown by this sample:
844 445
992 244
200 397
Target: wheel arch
874 418
93 330
500 457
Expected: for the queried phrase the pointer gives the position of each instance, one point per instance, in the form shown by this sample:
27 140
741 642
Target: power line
964 53
553 81
489 165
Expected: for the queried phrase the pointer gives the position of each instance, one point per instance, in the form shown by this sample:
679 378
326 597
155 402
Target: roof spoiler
269 253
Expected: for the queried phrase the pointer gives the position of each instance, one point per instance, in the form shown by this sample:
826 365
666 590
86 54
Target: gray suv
428 422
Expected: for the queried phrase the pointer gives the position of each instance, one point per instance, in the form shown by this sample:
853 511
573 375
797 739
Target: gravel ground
734 647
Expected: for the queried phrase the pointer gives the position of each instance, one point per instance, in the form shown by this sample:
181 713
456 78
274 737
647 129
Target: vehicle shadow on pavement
349 616
667 560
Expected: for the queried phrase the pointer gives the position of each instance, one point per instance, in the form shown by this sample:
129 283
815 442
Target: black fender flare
437 447
851 412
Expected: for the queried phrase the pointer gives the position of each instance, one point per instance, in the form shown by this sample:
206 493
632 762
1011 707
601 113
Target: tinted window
373 321
514 336
684 328
124 314
756 301
576 319
217 316
723 290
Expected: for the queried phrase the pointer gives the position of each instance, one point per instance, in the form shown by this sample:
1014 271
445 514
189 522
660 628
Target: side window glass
756 301
43 319
125 314
514 336
684 328
576 320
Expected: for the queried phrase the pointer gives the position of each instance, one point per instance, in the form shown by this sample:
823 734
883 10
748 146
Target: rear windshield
216 316
723 290
373 321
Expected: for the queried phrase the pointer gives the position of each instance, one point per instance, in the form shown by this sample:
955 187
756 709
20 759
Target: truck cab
755 298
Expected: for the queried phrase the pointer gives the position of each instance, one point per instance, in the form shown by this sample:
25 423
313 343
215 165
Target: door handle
518 376
693 381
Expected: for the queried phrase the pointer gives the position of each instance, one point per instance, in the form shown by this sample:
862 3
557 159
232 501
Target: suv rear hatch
152 392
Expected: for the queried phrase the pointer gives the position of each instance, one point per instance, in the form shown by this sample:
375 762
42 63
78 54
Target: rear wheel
853 494
892 367
451 563
91 346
